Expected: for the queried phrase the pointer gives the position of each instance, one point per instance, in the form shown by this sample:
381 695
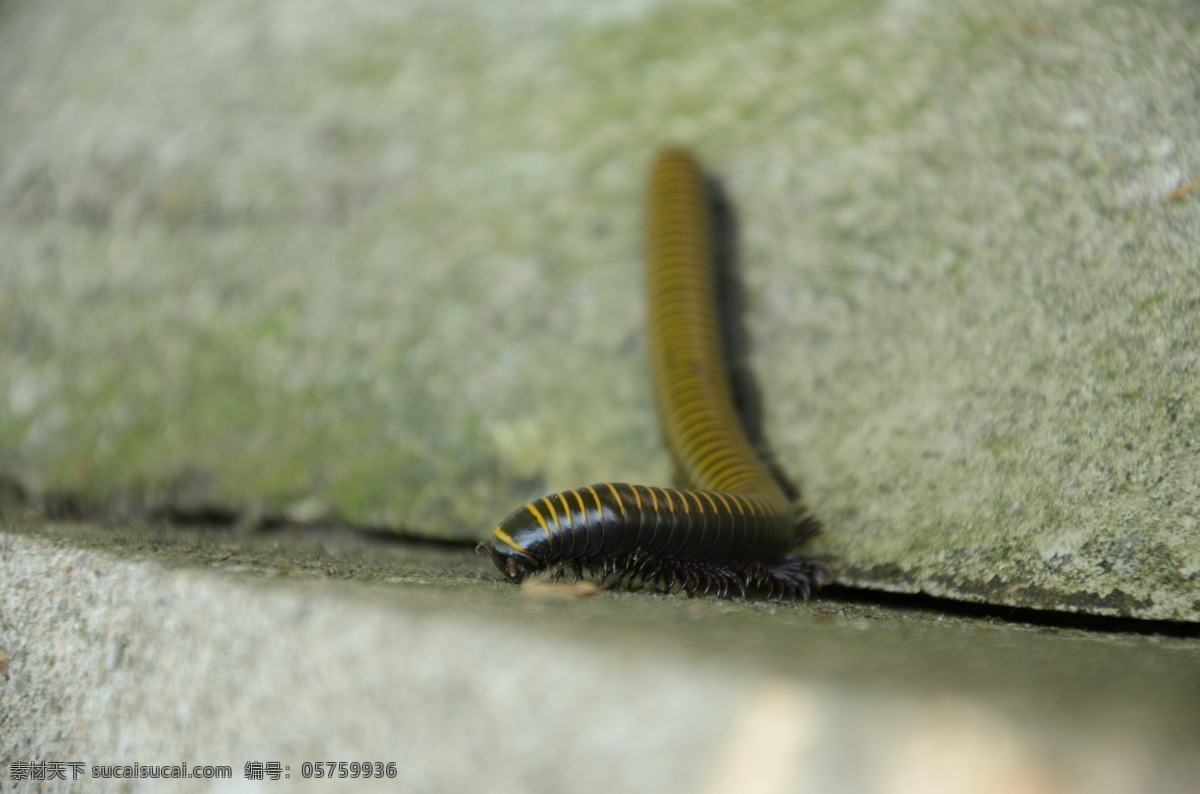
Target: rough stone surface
379 261
212 648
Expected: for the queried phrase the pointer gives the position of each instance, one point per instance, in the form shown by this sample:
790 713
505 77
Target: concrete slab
156 646
379 261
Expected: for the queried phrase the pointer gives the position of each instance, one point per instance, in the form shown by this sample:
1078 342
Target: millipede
731 528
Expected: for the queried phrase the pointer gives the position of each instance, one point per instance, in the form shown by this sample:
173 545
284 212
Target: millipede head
518 545
513 563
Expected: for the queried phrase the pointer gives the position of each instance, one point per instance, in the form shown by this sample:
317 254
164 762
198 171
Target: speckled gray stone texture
380 261
210 648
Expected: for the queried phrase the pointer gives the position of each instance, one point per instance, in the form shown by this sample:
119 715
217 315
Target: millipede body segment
731 528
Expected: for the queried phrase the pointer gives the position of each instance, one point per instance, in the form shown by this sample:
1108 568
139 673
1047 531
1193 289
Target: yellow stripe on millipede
503 537
538 516
616 495
553 513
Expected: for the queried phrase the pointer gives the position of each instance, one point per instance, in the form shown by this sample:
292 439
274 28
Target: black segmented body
732 528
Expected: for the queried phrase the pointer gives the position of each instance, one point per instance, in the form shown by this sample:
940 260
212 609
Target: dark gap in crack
1047 618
